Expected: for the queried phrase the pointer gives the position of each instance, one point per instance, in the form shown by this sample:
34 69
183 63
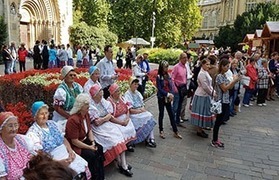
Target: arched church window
205 20
13 8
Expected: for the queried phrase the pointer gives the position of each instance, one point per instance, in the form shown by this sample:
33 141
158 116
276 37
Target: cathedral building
31 20
218 13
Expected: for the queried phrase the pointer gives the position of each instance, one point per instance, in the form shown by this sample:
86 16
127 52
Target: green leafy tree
175 19
247 23
83 34
225 37
3 30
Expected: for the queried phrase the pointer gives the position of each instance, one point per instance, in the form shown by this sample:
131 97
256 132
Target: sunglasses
72 75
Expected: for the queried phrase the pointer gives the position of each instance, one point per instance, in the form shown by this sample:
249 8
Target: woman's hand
124 123
72 156
65 162
93 147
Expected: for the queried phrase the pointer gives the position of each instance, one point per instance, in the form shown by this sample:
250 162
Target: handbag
215 106
182 89
245 80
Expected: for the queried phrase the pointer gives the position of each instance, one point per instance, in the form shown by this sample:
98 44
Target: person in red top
22 53
252 73
80 136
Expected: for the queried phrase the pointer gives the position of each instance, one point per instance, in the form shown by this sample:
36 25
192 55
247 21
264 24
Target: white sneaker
251 104
245 105
264 104
260 105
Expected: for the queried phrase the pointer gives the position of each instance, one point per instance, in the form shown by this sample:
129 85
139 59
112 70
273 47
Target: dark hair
161 68
42 166
107 48
251 59
204 61
274 54
212 59
222 63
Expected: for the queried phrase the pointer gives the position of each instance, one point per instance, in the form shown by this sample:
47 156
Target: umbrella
138 41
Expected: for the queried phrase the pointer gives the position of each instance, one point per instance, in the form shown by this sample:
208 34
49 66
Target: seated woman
106 131
47 137
143 120
79 134
65 95
122 116
15 150
94 73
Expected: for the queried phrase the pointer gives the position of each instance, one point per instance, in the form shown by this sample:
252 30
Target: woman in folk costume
65 95
122 115
94 73
142 119
15 149
106 131
47 137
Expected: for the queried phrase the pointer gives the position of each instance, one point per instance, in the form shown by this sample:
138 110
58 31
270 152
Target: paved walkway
251 150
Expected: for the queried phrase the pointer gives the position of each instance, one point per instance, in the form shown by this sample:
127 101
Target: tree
225 37
248 22
175 19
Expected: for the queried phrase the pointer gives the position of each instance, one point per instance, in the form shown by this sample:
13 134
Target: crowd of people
95 125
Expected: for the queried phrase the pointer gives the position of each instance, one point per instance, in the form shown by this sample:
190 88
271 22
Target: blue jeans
247 95
232 100
8 66
175 103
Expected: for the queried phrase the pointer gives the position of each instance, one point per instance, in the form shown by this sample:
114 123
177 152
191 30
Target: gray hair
81 100
264 61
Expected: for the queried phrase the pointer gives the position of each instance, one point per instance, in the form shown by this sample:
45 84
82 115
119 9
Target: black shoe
126 172
224 122
130 148
129 167
202 134
150 143
231 114
207 128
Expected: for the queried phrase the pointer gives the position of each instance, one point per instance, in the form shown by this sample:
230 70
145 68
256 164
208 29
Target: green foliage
3 30
83 34
158 54
175 20
247 23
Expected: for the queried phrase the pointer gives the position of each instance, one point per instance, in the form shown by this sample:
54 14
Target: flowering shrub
24 115
27 87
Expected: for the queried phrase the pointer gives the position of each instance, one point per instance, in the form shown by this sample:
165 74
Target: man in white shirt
107 72
70 55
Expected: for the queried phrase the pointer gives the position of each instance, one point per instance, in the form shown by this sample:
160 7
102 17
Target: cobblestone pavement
251 149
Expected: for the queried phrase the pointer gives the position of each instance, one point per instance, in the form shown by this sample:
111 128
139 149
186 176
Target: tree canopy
176 20
246 23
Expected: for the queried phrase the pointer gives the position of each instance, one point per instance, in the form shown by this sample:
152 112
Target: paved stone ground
251 150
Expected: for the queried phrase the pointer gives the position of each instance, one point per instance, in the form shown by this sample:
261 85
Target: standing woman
253 74
223 85
138 73
80 136
65 95
14 149
165 98
22 53
262 84
201 116
52 57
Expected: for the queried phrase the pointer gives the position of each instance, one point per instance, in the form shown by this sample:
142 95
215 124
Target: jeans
247 95
8 65
162 104
175 103
232 100
179 107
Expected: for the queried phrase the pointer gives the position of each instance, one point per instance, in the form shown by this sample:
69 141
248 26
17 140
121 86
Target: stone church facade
31 20
218 13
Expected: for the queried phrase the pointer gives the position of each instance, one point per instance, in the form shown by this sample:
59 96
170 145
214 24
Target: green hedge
158 54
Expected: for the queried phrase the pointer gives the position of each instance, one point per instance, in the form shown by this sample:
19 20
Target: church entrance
39 21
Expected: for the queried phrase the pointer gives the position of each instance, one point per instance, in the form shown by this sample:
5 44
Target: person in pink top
14 149
179 78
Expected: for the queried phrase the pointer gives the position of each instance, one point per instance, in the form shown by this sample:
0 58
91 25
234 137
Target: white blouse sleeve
59 97
30 144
